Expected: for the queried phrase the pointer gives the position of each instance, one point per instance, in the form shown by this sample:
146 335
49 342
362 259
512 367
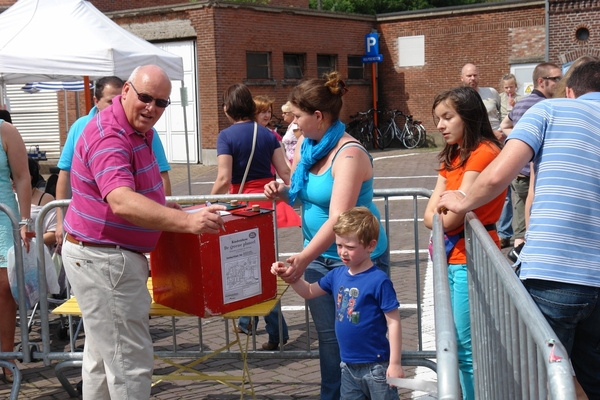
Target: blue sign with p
372 44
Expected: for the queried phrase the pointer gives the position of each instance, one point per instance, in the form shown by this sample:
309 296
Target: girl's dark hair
323 94
238 100
468 105
34 171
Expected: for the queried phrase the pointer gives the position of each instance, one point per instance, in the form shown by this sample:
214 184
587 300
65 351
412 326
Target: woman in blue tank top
332 173
13 158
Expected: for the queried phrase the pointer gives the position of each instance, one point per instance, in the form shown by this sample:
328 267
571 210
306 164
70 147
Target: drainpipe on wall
547 10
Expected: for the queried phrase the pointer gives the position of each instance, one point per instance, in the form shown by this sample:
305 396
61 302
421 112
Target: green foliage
385 6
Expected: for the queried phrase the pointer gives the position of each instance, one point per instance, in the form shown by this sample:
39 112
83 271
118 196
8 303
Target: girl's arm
224 172
450 220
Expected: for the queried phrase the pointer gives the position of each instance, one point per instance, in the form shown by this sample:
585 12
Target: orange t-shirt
488 213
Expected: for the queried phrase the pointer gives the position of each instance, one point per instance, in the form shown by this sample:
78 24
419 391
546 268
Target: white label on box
240 265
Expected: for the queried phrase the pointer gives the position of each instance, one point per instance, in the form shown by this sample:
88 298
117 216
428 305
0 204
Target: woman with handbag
245 152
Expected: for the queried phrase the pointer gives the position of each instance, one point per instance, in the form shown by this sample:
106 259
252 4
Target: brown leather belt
71 239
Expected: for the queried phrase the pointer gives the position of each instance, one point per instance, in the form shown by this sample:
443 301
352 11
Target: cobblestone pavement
277 378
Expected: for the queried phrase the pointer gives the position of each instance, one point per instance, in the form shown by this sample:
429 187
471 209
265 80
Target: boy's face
351 251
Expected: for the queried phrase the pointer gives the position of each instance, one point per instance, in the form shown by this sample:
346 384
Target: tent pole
86 91
184 103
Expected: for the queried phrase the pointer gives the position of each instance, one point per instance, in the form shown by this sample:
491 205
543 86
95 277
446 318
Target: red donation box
213 274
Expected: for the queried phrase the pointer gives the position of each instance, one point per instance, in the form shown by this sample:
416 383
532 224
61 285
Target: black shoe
504 242
270 346
513 254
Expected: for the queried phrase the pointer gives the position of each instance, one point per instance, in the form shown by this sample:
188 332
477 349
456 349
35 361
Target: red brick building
271 47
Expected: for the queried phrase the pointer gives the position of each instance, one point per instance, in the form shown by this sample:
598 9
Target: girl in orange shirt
471 145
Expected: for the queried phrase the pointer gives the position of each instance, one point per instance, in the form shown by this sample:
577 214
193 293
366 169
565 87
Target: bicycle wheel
423 133
366 137
386 135
411 136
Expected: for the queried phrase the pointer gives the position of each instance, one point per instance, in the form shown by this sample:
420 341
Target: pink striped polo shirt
108 155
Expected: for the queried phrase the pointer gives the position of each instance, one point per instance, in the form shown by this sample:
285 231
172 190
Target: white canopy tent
48 40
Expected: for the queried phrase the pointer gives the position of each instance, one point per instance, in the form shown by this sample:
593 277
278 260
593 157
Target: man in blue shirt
545 77
105 90
560 262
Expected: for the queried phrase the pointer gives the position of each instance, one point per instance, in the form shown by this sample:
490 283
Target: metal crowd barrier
24 355
516 355
445 334
446 344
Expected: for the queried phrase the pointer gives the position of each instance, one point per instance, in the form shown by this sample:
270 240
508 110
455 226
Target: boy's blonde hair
359 221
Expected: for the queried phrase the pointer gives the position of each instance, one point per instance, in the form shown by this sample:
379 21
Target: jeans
322 310
504 225
573 312
366 381
459 298
271 326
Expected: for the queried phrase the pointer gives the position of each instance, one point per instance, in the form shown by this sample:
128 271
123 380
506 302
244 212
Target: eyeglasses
147 99
553 78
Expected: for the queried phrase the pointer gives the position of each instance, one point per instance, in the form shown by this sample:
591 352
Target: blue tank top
7 196
316 196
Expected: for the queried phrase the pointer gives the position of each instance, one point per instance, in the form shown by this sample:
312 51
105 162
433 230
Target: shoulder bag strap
250 159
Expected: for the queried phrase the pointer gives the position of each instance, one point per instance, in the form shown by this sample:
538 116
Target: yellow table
70 307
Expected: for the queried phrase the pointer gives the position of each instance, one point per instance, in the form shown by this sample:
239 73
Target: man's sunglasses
553 78
147 99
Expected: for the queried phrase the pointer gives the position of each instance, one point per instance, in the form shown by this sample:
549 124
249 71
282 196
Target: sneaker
270 346
504 242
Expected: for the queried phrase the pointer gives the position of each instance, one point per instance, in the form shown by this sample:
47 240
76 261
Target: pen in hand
208 204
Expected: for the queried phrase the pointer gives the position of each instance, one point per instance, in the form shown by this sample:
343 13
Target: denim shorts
366 381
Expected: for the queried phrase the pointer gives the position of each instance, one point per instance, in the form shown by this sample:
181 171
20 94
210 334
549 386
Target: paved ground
275 377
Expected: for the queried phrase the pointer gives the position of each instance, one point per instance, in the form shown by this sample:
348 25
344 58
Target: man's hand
207 220
451 200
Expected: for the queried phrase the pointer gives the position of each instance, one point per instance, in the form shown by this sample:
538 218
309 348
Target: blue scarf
311 152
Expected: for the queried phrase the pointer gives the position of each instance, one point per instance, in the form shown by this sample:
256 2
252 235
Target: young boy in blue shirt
366 306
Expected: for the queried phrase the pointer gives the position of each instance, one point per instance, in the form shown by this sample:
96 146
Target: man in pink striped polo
117 213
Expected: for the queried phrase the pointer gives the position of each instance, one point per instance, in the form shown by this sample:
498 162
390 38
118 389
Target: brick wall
490 38
120 5
565 18
274 33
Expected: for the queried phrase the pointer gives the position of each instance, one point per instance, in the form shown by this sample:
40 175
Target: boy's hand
395 371
277 268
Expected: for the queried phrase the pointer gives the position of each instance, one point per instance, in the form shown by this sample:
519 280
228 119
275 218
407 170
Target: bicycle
363 128
411 135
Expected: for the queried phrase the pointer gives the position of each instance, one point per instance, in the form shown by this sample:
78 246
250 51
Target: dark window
257 66
293 66
356 68
325 64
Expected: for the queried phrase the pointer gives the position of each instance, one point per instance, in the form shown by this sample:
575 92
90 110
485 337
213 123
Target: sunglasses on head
147 99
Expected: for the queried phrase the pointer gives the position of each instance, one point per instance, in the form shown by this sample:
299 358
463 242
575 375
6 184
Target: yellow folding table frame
187 371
